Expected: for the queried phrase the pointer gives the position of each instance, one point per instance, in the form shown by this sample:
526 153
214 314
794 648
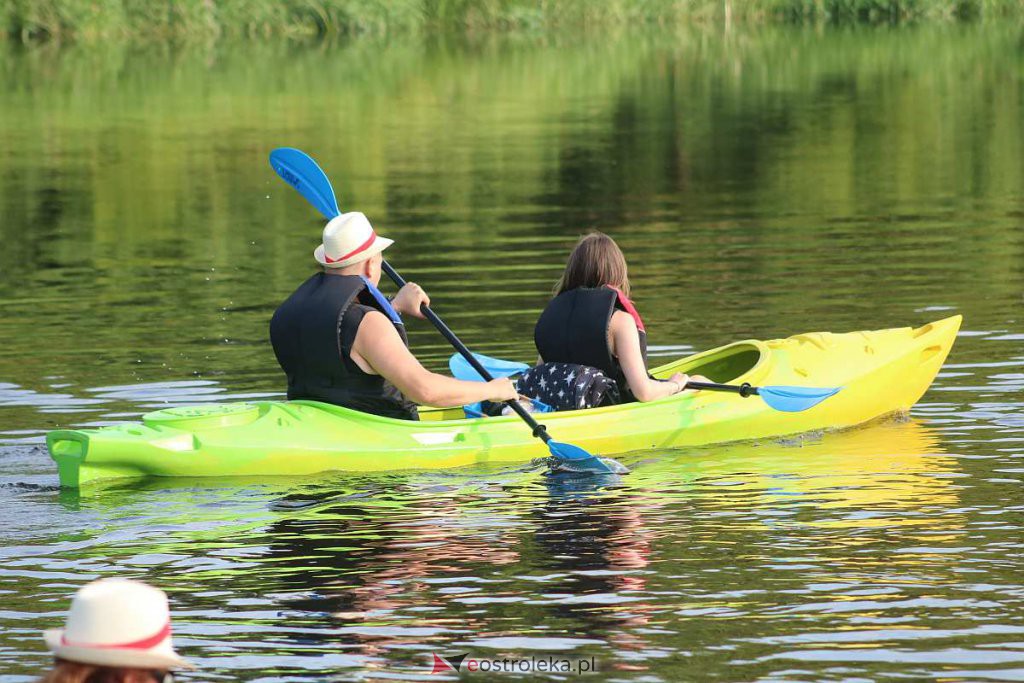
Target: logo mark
445 664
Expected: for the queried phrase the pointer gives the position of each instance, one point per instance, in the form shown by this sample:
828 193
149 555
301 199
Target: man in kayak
340 341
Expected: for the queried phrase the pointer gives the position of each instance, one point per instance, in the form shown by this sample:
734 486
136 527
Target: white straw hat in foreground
117 622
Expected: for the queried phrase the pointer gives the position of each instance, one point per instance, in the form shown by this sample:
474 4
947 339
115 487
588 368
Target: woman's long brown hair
65 671
595 260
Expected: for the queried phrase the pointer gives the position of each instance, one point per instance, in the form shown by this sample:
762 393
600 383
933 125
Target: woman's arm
379 350
625 345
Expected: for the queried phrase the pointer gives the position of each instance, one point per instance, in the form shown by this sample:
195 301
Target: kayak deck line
881 372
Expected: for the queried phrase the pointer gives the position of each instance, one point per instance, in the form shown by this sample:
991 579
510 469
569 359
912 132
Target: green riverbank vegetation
30 20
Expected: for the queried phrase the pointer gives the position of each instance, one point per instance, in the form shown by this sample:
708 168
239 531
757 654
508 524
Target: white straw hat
117 622
349 238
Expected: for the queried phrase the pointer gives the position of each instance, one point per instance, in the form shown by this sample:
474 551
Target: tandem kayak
880 372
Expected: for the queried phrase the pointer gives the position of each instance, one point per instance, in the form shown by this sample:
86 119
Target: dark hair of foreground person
75 672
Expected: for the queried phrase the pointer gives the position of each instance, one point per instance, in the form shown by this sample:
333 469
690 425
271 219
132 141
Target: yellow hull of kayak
880 372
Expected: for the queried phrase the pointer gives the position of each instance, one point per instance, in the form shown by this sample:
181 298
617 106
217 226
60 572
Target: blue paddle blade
300 171
541 406
461 369
795 399
570 458
473 411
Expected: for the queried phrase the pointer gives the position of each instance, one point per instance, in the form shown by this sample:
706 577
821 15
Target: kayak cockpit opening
722 365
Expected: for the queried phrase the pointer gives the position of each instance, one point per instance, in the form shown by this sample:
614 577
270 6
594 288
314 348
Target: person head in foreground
117 631
340 341
591 333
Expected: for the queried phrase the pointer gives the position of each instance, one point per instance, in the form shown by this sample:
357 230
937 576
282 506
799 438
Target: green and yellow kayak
880 372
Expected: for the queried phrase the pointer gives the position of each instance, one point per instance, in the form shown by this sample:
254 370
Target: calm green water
762 183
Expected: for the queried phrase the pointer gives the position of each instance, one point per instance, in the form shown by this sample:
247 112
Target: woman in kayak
340 341
591 323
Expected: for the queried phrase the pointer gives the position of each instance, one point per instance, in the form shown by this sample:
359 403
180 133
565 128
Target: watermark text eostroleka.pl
513 665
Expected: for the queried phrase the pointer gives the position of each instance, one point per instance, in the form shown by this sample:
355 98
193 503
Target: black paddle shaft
743 390
538 429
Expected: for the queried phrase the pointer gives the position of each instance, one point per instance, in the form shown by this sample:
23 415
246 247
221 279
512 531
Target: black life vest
574 329
312 333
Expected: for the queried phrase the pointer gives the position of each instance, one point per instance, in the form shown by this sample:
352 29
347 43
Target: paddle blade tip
796 399
301 171
571 458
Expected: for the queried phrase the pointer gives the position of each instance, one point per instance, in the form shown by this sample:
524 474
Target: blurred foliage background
207 19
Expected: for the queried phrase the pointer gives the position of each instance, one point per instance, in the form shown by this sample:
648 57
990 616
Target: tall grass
100 19
891 10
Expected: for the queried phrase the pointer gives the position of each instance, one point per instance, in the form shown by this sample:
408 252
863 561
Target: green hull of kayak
880 372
